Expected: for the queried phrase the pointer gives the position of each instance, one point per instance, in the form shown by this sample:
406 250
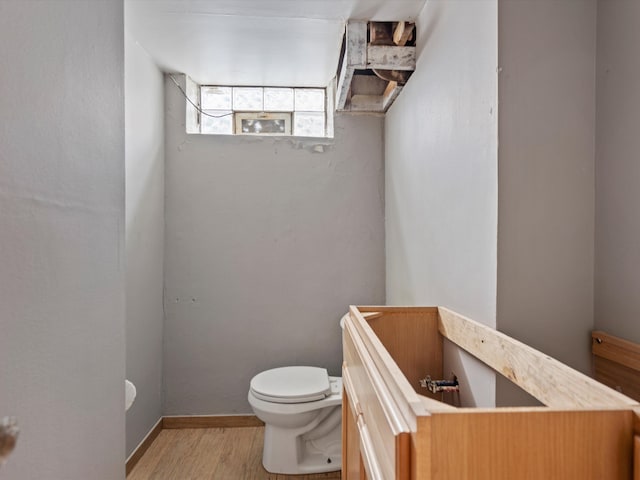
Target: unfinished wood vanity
395 429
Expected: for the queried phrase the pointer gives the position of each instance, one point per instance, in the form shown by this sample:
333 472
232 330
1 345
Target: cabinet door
372 416
352 468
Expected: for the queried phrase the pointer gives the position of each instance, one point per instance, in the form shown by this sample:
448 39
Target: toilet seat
291 385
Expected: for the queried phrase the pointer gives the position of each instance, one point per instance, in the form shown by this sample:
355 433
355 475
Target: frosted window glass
244 104
308 124
263 126
222 125
215 98
309 100
247 99
278 99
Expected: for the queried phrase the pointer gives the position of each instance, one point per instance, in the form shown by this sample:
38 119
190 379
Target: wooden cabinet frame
584 431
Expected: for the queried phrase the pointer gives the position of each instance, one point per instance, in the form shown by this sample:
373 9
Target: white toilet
301 409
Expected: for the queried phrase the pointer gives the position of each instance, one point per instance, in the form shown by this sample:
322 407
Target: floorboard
210 454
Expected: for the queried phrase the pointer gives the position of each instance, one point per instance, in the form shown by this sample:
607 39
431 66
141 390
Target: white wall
441 179
546 177
617 304
144 158
62 237
267 243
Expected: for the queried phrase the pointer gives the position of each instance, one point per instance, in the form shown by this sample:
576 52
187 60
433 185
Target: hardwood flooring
210 454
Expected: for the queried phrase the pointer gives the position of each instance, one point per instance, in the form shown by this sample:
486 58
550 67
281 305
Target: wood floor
210 453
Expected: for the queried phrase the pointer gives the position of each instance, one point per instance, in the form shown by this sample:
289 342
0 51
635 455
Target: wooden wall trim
616 363
636 457
144 445
211 421
616 349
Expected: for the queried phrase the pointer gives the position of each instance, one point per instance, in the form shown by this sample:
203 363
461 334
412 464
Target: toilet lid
291 385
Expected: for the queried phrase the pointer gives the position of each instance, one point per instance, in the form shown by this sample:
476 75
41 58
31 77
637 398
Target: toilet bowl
301 409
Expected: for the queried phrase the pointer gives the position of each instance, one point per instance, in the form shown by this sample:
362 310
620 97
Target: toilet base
291 452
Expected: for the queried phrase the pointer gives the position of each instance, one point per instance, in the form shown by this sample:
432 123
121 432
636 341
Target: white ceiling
253 42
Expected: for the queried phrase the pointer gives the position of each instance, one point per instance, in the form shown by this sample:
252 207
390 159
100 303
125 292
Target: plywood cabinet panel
532 444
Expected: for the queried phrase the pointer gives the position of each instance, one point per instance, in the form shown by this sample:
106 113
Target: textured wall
617 305
267 243
441 179
546 177
144 149
62 354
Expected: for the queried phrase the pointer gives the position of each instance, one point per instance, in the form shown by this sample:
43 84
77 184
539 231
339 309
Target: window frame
288 115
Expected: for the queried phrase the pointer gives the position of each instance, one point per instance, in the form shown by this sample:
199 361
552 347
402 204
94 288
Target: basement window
276 111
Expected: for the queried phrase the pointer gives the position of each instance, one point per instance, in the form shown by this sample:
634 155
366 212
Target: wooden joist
390 94
402 33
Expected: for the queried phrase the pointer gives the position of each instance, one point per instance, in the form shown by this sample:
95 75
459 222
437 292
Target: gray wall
144 158
267 243
441 178
617 303
62 354
546 177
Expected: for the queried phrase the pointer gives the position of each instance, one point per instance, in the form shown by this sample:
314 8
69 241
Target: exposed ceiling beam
385 57
390 61
355 56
